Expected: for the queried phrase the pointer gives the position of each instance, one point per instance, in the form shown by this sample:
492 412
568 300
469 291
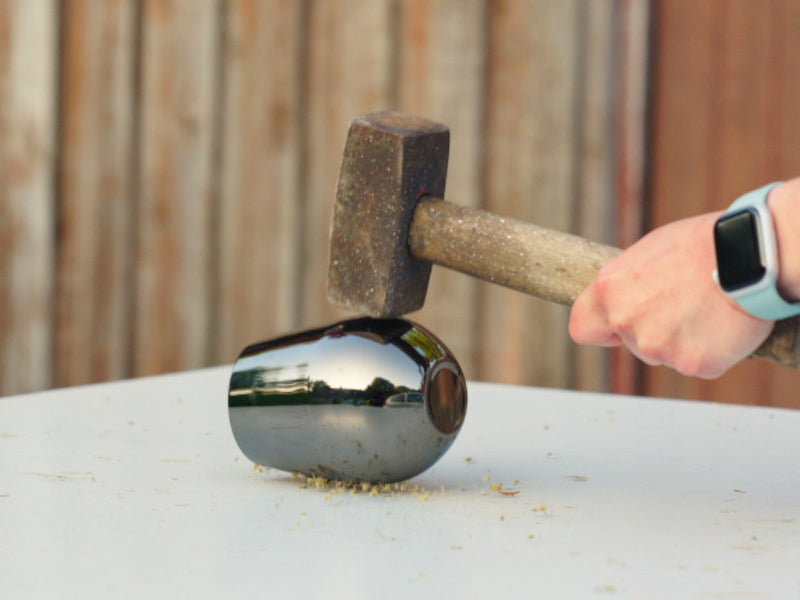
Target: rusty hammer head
390 161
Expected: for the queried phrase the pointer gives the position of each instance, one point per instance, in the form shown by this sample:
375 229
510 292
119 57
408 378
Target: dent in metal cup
363 400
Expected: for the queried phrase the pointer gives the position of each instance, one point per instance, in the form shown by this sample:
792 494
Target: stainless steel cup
374 400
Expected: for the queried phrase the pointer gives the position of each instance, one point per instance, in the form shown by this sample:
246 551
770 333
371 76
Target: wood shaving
498 487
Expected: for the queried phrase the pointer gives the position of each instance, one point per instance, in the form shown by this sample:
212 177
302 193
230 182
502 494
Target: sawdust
335 487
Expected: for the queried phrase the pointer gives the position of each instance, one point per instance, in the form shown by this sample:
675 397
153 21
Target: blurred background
167 167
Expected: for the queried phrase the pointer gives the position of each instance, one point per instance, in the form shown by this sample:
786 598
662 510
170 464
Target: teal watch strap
755 198
763 300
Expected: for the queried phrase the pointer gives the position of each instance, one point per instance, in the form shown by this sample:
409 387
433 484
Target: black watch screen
738 254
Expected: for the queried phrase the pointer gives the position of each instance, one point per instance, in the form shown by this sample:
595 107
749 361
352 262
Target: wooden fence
167 168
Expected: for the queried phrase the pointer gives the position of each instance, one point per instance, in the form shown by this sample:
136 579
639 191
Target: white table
137 489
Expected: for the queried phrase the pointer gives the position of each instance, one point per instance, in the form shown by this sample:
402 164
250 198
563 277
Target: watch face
738 253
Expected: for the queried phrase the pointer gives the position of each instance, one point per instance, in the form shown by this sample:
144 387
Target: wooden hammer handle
548 264
542 262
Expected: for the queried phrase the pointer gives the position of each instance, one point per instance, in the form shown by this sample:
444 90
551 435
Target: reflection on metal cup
366 399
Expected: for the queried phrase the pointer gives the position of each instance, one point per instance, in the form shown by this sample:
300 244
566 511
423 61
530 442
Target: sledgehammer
390 224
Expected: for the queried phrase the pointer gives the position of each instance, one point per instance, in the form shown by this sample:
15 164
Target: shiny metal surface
365 400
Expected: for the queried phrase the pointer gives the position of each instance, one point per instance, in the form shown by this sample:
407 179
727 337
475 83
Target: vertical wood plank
351 72
596 159
721 86
632 76
94 286
442 77
531 145
783 67
28 40
262 161
176 184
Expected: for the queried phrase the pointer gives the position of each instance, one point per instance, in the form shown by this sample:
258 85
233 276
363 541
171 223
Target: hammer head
390 161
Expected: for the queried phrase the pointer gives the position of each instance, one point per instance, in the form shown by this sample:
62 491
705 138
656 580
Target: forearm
784 204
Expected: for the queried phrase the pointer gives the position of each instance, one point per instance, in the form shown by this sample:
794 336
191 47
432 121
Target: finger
647 359
649 344
588 323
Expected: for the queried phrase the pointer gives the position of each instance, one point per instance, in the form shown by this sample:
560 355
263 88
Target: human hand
658 299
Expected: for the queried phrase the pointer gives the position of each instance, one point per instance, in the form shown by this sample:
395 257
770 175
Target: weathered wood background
167 167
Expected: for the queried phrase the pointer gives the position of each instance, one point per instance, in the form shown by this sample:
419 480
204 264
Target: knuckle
623 324
686 365
603 286
694 364
654 347
652 353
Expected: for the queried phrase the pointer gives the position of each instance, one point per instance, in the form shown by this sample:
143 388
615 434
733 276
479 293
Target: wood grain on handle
548 264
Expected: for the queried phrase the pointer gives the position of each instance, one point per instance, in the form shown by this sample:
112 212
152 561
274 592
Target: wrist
784 205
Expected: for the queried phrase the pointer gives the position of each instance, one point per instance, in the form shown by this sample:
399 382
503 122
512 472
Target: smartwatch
747 257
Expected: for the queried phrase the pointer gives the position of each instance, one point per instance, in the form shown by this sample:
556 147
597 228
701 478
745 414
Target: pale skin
659 300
